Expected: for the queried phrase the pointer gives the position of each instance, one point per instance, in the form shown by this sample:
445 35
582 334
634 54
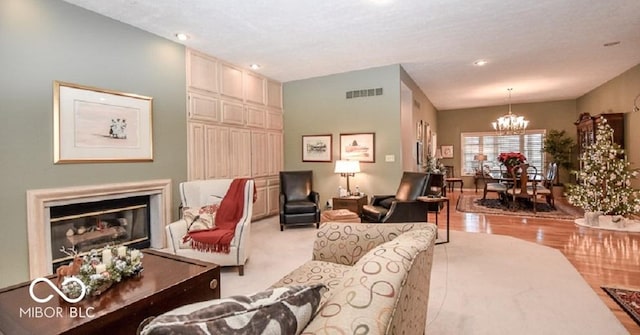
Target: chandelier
510 124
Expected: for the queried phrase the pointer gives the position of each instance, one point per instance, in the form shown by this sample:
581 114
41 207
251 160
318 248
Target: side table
437 200
353 203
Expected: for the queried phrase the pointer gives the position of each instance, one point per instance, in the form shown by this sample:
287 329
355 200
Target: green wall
318 106
558 115
42 41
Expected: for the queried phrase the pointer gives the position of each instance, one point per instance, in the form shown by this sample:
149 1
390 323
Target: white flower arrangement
604 180
102 268
433 165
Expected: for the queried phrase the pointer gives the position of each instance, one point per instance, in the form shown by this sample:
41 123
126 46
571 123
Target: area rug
628 299
473 203
480 284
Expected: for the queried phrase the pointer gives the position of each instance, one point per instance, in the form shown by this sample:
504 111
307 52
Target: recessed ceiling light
610 44
254 66
182 37
480 62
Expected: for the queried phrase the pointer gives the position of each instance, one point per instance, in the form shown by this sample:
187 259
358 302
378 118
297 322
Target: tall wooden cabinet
586 126
234 119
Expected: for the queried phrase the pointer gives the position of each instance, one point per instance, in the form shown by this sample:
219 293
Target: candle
135 254
100 268
122 251
107 256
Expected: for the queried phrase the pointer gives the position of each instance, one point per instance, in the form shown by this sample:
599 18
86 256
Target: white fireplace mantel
39 202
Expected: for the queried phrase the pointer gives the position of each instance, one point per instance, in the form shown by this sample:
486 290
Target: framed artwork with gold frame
93 125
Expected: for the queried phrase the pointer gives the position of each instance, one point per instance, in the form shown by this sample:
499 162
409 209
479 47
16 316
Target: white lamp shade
344 166
480 157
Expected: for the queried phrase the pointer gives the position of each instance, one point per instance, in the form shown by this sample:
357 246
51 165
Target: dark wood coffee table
167 282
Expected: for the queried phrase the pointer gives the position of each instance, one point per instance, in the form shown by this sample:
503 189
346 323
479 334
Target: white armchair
198 193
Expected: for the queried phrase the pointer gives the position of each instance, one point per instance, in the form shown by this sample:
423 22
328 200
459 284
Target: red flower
511 158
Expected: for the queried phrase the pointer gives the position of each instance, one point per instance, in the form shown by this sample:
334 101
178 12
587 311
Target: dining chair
451 179
494 185
544 187
525 184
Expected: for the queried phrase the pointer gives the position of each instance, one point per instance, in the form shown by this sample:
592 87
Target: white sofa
198 193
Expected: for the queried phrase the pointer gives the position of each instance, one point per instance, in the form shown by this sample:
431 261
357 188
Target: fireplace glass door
93 225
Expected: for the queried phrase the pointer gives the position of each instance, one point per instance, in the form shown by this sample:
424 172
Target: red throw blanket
219 238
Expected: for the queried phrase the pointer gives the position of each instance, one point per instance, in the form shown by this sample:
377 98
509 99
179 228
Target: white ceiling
545 49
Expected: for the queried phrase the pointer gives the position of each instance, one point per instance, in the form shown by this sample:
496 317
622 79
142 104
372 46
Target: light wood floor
603 258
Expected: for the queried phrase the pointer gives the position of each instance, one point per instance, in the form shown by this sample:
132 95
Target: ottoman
339 215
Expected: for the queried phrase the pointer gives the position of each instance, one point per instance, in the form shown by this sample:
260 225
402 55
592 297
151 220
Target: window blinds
488 143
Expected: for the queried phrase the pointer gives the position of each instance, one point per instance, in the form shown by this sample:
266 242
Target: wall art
358 146
97 125
316 148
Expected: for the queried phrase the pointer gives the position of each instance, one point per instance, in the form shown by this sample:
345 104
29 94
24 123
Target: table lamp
480 158
347 169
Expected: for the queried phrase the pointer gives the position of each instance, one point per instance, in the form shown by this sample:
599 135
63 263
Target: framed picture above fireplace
99 125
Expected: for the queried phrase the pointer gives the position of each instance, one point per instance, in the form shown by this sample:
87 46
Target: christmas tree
604 179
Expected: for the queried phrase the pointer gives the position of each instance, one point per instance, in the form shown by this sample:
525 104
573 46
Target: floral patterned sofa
377 277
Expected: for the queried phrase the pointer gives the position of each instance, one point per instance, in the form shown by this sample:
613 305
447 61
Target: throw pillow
202 218
282 310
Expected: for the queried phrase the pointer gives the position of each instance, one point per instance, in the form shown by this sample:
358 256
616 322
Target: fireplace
91 225
91 217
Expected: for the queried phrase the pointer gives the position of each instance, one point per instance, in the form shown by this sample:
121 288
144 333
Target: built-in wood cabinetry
260 206
274 94
234 119
231 83
202 72
273 192
203 108
255 88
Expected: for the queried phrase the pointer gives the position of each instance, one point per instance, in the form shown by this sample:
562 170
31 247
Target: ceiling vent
364 93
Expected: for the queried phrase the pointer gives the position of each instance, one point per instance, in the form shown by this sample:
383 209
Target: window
490 144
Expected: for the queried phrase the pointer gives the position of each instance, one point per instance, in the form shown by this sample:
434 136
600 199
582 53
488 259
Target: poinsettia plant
511 159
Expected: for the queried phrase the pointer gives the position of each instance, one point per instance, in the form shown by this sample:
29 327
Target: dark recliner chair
403 206
298 201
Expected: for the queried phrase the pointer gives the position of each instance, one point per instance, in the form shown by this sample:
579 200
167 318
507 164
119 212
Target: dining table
505 177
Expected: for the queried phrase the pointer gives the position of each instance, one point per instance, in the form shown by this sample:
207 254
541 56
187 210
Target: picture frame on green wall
358 146
317 148
93 125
